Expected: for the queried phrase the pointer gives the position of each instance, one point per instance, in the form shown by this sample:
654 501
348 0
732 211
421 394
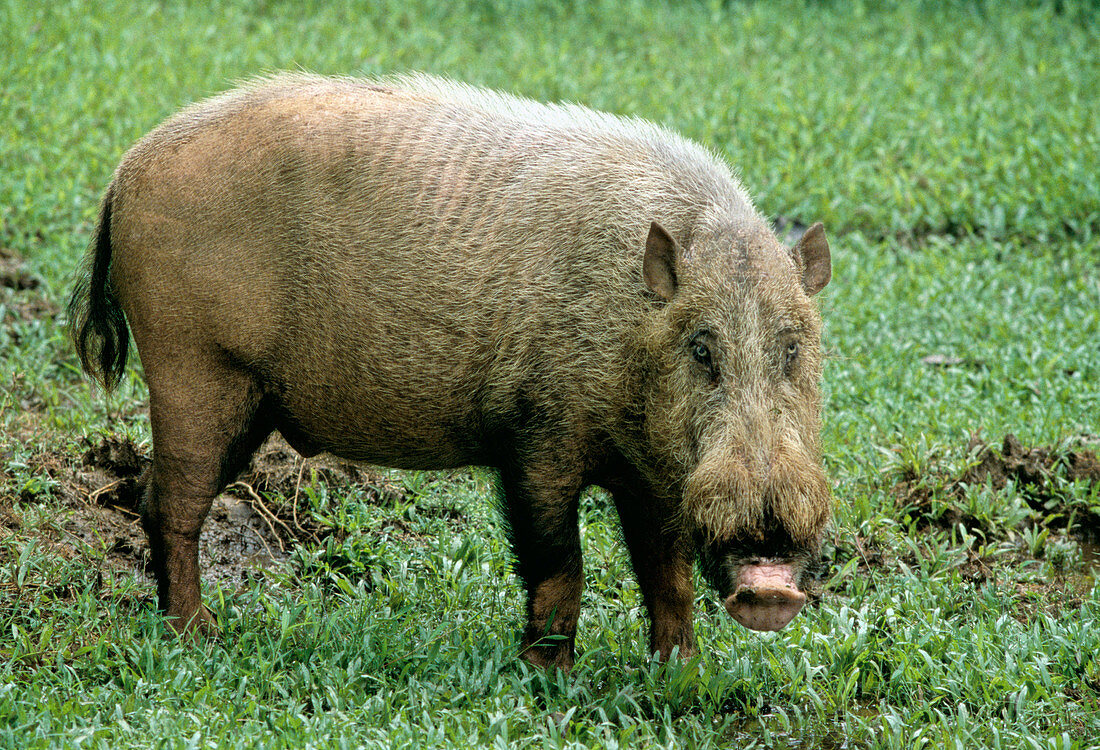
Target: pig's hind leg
541 503
207 419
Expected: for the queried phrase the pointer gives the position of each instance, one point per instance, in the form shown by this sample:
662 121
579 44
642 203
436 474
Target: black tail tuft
96 322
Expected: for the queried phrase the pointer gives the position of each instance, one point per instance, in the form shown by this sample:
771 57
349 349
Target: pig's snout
766 597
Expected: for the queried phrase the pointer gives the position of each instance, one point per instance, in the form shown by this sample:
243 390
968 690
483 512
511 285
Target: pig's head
733 407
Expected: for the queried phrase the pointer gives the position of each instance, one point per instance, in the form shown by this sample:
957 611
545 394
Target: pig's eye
701 352
789 356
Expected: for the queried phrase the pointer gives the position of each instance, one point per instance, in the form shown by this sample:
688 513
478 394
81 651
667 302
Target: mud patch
13 272
277 468
1054 597
1032 469
257 522
1043 545
118 458
21 302
273 489
98 493
1040 476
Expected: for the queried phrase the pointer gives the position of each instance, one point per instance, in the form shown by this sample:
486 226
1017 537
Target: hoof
198 625
549 654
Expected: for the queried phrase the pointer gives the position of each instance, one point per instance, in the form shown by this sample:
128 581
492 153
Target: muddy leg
541 504
663 561
205 428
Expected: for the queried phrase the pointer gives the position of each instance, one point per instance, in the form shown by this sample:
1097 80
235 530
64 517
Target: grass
952 150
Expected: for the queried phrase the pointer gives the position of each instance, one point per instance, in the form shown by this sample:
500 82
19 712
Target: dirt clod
1031 469
257 521
117 455
13 274
1037 473
1083 465
119 458
276 468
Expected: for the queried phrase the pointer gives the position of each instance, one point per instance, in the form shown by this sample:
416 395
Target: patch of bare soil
20 300
1034 598
1030 468
256 522
13 272
1036 473
936 500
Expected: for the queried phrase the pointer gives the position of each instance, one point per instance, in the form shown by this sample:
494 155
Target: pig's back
409 250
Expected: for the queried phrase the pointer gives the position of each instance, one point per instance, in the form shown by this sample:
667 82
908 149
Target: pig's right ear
812 254
659 264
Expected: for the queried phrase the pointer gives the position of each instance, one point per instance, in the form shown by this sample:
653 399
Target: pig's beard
732 495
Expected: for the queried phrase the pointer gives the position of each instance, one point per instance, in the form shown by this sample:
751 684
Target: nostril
766 597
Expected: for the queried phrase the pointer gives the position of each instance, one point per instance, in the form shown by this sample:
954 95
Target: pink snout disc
766 597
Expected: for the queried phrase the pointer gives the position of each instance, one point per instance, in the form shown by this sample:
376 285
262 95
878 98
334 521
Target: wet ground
262 516
1040 475
257 522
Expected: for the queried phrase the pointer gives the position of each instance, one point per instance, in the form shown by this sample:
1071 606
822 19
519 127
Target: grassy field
953 152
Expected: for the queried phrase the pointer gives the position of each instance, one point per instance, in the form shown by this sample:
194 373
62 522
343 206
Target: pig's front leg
663 560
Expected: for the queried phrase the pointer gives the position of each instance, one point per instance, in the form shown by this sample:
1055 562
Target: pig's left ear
659 264
812 255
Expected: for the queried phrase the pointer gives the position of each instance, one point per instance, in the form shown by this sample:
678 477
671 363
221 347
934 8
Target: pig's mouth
766 596
760 591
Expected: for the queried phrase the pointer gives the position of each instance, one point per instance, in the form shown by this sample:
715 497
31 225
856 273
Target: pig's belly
408 424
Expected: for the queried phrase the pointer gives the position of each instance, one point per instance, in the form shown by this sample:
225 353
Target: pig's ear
659 265
812 255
